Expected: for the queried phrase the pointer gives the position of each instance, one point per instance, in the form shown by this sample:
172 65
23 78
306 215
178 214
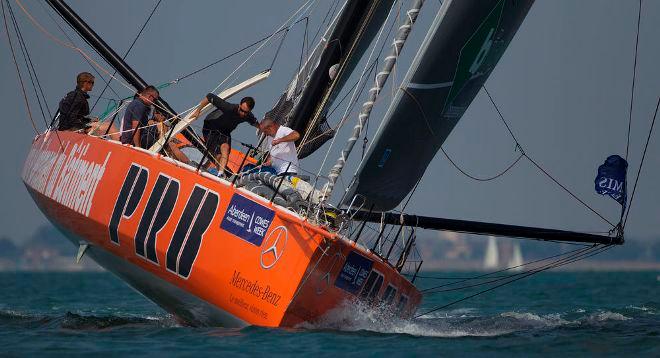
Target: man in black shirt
219 124
73 109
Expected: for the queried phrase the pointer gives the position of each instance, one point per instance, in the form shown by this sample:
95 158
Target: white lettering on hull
65 176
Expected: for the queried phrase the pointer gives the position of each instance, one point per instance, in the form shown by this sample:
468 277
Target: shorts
214 140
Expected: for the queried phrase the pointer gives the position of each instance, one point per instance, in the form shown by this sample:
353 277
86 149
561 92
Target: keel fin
81 251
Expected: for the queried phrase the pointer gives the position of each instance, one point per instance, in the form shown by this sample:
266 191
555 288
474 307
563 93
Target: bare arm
201 105
291 137
135 124
214 100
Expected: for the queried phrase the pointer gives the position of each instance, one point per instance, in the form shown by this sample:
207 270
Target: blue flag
611 179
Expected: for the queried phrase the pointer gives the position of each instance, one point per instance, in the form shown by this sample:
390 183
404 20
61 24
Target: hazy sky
563 85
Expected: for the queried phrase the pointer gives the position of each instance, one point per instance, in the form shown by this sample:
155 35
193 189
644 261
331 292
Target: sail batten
465 42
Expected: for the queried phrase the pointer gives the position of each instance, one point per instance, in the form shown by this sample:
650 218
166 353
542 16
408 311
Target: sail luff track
381 78
484 228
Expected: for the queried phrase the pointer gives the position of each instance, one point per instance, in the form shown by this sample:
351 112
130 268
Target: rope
350 91
262 45
453 163
303 54
87 56
489 275
367 106
539 166
366 71
639 170
28 62
22 41
279 47
590 254
71 40
18 71
331 10
70 46
182 77
568 191
632 87
107 84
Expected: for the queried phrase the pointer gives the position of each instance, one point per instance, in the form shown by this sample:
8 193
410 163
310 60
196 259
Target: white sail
516 260
492 257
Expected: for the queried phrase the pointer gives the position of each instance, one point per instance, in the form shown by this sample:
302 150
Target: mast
483 228
381 78
110 56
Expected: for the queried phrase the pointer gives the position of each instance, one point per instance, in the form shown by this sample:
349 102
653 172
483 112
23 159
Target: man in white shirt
280 142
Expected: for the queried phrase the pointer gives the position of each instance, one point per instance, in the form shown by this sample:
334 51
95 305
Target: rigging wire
639 170
632 87
350 90
600 250
453 163
106 81
279 47
489 274
305 45
568 255
71 46
331 10
28 59
18 71
144 25
215 62
355 95
28 63
96 64
41 91
538 166
304 7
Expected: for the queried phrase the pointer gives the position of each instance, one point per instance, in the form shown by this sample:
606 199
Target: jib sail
465 42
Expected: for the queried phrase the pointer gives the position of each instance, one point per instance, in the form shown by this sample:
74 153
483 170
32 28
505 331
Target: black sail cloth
463 46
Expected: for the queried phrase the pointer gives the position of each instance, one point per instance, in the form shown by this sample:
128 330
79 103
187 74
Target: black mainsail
305 103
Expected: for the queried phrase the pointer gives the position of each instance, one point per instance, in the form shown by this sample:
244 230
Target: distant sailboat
492 258
516 261
256 249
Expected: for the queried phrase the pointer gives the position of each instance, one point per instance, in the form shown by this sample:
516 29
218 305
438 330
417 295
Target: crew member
156 130
137 116
219 124
280 143
73 109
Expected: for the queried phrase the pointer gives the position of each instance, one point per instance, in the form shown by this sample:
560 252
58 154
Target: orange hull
208 252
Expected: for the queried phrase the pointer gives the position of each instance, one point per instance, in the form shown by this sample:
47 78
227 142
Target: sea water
550 314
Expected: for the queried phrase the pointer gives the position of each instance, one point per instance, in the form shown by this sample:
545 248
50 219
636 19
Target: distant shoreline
434 266
601 266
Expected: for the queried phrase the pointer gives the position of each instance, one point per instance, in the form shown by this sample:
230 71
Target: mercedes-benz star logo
273 247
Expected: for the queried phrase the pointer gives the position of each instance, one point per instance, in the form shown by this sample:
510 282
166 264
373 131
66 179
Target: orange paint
288 275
